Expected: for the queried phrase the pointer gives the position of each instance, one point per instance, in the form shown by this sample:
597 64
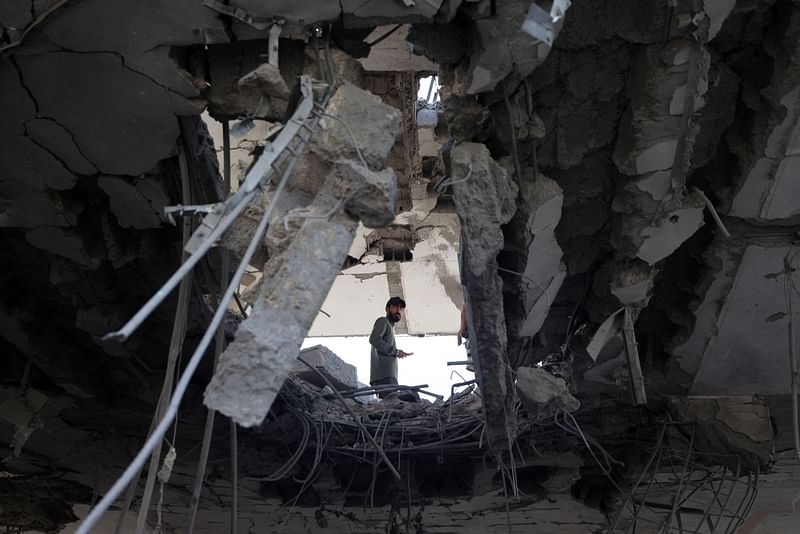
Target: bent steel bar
180 389
232 208
273 150
144 312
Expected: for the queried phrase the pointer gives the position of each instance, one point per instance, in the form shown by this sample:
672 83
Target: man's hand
403 354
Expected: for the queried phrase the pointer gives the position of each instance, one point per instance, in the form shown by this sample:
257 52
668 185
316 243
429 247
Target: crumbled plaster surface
485 201
544 272
730 424
763 185
744 349
542 394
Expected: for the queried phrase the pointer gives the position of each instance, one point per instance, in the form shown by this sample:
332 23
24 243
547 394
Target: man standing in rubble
383 359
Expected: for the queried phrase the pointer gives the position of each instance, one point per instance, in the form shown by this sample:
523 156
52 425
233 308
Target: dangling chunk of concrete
736 427
373 202
253 368
357 124
297 278
543 394
264 79
340 373
357 121
485 199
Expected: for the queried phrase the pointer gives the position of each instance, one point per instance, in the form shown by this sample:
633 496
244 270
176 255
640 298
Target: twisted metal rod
183 384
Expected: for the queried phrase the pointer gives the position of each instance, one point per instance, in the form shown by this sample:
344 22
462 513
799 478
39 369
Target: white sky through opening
428 365
425 89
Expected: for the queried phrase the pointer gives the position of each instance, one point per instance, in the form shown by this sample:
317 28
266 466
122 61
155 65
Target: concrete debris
341 374
241 387
651 237
561 479
368 196
345 67
168 23
765 188
138 204
626 109
632 283
266 79
361 124
485 200
520 123
296 17
253 368
521 54
242 85
728 426
358 13
545 26
738 344
649 133
485 196
544 271
607 330
464 115
542 394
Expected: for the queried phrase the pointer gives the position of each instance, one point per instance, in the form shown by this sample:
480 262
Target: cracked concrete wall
739 344
89 126
763 189
739 330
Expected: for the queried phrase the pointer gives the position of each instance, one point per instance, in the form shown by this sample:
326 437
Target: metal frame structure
682 490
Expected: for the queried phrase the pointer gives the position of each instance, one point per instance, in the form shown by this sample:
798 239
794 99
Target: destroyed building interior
606 185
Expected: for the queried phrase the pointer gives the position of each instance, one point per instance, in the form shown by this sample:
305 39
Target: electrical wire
384 36
323 113
513 133
218 348
353 415
175 348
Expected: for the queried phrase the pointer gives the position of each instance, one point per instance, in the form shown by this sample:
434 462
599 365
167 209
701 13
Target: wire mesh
682 490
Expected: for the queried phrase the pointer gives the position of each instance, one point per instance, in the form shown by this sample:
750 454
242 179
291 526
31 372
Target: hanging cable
218 344
514 152
226 213
384 36
175 348
118 486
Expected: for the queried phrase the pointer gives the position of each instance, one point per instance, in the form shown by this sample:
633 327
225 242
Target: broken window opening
429 89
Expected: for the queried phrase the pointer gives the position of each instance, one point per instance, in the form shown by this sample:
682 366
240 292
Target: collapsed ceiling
621 174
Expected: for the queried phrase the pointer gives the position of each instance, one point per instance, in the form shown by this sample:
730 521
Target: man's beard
393 317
